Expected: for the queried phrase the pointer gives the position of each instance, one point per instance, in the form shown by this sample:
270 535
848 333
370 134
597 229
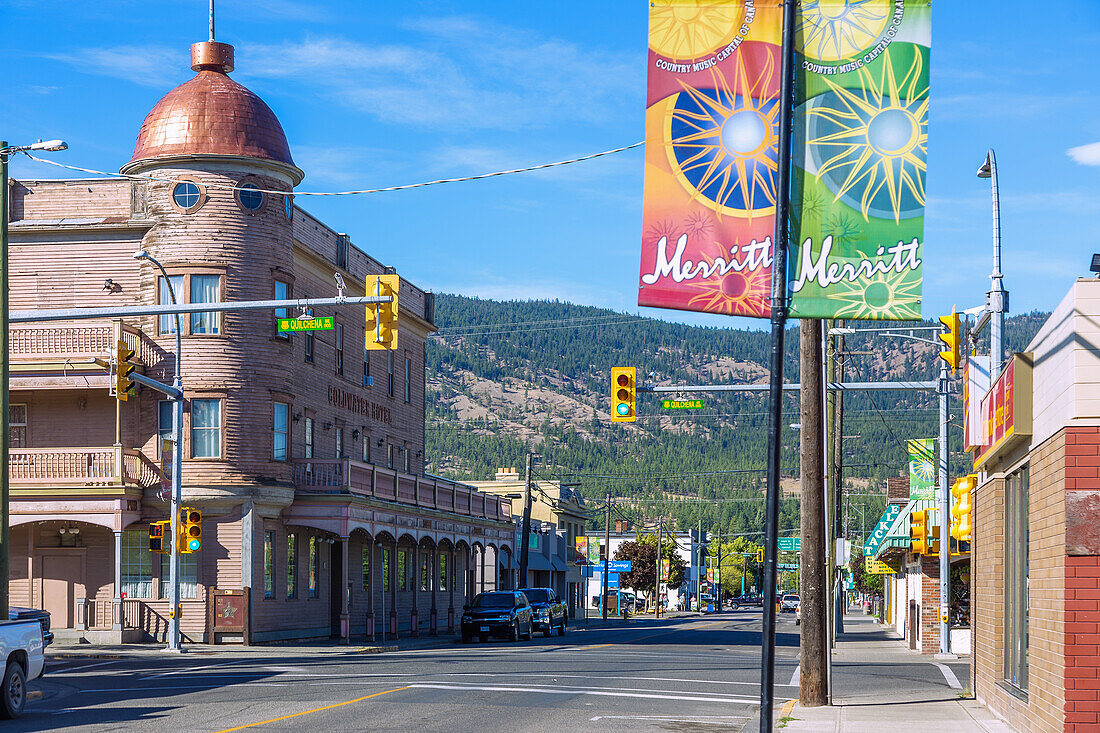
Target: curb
79 655
787 709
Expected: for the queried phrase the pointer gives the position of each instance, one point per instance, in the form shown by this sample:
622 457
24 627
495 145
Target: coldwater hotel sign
858 157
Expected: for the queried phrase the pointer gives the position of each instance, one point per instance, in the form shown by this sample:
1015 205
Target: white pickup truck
21 648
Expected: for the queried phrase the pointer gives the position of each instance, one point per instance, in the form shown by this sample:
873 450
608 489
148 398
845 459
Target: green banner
321 323
922 469
681 404
860 151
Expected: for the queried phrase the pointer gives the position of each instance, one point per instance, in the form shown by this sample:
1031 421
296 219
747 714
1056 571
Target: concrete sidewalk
877 680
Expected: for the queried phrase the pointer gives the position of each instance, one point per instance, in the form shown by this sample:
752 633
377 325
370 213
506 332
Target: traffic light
157 533
124 386
382 317
961 507
760 555
918 531
190 530
624 393
951 339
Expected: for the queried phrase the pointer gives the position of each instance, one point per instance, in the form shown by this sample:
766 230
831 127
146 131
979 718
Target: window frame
389 372
402 570
367 381
291 565
408 378
219 428
308 437
275 432
281 312
366 563
314 583
25 425
387 570
166 323
189 576
249 183
136 564
338 345
338 438
176 183
1016 536
269 564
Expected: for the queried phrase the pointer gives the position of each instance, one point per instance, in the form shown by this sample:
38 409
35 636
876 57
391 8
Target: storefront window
1016 578
442 571
386 571
402 570
269 564
137 565
189 575
314 568
366 567
291 565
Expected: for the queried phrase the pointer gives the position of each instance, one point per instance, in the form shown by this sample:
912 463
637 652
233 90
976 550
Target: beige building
304 452
553 505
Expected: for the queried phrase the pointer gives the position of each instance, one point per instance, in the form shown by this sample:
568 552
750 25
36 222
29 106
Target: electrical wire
384 189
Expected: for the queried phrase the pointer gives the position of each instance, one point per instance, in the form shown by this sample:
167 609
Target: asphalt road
686 674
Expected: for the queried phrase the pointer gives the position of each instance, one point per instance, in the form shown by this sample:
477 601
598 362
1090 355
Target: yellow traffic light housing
760 556
918 531
158 533
382 317
624 393
952 340
190 529
124 386
961 507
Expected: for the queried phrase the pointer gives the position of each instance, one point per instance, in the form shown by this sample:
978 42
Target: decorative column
370 589
451 592
393 592
433 574
415 617
468 585
116 602
345 617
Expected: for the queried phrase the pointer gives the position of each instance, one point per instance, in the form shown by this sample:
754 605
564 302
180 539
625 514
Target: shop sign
877 567
1005 411
881 529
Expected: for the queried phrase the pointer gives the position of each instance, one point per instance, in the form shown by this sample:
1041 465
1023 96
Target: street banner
922 469
665 562
582 550
870 547
711 156
593 550
859 159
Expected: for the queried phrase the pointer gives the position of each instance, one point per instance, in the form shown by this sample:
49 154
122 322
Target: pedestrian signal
157 533
382 317
190 529
961 507
918 531
624 394
124 386
951 339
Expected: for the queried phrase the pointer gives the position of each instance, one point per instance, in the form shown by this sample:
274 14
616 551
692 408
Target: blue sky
376 94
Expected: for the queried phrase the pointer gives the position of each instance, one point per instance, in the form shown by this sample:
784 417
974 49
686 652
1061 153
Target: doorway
60 576
914 624
335 585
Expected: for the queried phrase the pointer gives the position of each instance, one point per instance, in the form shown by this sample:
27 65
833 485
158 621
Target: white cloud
1086 154
151 66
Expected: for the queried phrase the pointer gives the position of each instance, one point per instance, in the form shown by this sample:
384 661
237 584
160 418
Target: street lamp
6 151
177 460
997 297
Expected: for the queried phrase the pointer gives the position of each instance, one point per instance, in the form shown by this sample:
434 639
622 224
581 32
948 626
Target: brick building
305 452
1036 575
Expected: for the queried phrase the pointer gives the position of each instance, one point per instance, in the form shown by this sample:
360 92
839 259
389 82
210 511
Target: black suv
549 611
497 613
747 600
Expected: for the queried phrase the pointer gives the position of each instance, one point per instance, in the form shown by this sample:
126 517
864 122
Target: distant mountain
505 377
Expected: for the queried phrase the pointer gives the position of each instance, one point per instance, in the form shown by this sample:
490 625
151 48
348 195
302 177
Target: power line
404 187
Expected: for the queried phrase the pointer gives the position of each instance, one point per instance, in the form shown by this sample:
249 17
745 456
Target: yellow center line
315 710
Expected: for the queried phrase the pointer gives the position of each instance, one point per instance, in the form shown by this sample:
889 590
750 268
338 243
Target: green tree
865 582
642 555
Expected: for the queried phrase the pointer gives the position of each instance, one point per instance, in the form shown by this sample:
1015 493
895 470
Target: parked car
15 613
788 603
497 613
798 614
745 600
21 644
548 611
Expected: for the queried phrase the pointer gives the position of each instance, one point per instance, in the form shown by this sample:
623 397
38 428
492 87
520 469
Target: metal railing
342 475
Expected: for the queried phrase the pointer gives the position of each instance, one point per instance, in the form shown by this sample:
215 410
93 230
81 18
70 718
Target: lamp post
177 475
6 151
996 300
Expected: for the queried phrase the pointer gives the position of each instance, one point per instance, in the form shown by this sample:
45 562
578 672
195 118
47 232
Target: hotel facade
304 452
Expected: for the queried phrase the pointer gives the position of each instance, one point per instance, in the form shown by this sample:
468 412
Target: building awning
898 537
558 564
535 561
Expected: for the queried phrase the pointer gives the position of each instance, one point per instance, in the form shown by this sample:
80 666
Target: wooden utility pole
523 550
657 585
813 689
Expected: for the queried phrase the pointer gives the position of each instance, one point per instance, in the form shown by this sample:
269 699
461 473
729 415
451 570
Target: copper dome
212 115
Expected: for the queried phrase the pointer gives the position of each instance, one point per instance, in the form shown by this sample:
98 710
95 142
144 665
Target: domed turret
212 116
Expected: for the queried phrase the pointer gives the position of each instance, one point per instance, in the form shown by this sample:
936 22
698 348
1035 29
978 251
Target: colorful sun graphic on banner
723 143
924 469
733 293
870 144
832 30
891 295
688 29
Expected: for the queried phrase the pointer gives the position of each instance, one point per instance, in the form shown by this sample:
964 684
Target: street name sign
790 544
321 323
681 404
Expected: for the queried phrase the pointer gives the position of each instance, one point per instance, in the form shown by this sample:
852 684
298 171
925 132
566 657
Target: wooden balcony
344 476
79 467
73 344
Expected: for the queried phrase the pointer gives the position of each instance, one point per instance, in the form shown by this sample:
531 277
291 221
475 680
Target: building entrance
60 576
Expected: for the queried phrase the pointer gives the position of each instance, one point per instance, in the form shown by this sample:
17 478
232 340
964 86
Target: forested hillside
505 377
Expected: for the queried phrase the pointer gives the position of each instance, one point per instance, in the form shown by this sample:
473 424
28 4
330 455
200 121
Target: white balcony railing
110 466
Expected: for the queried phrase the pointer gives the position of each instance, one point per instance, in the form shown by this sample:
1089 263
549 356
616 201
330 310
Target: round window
250 196
288 201
186 195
